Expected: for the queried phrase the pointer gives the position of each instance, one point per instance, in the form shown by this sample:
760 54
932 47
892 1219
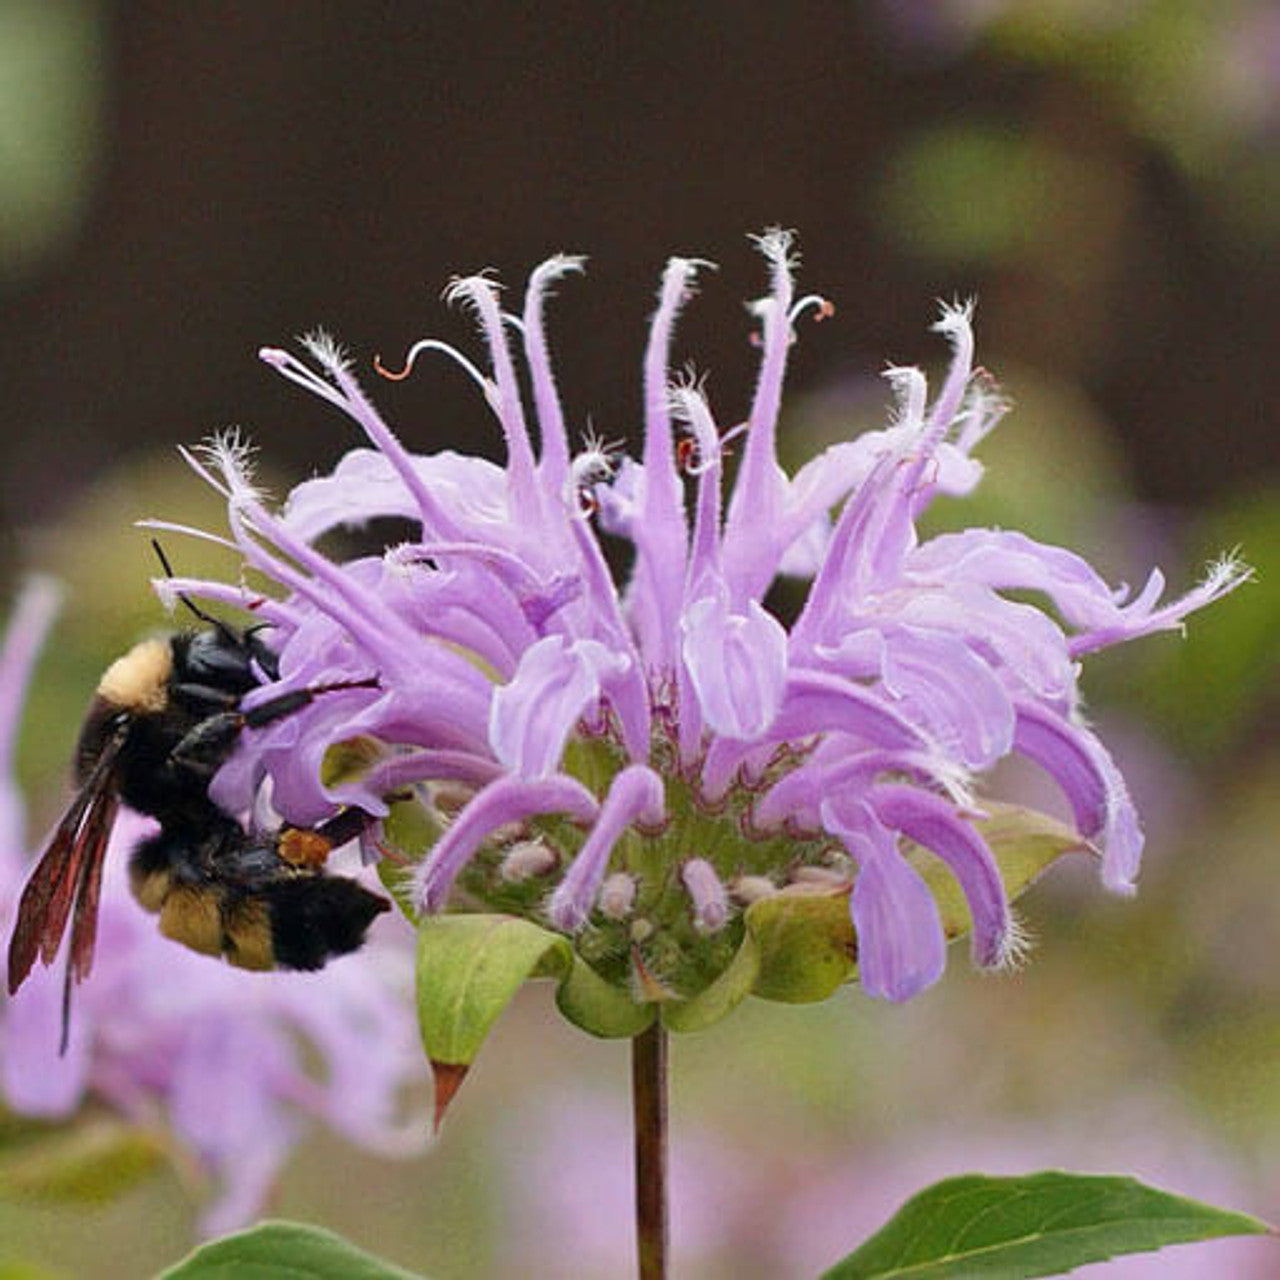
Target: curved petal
366 486
901 946
948 689
507 800
931 822
555 685
815 703
737 664
1093 785
1006 560
1024 642
636 794
1142 618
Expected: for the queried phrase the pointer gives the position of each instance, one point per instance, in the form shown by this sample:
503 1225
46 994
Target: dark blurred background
181 183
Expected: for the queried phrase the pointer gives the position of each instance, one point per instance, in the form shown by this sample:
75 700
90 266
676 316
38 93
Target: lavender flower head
169 1039
632 765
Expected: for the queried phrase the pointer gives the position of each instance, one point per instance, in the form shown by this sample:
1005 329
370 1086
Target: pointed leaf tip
1038 1224
469 968
448 1077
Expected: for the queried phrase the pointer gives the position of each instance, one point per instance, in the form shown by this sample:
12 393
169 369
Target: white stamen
188 531
815 301
435 344
189 457
289 366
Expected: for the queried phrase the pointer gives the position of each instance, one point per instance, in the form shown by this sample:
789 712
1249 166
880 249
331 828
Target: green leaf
469 969
598 1007
92 1160
284 1251
806 943
1040 1224
1024 842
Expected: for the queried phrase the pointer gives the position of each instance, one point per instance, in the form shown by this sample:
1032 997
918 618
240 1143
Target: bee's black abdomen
315 918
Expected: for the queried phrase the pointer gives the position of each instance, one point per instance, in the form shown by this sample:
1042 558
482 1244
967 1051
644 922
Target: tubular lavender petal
636 795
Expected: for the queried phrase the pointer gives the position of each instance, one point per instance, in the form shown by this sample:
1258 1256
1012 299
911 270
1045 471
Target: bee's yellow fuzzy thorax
139 681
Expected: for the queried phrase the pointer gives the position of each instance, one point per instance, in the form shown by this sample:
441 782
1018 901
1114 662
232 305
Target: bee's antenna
182 595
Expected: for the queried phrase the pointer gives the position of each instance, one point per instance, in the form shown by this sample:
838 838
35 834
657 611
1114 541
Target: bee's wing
71 864
84 923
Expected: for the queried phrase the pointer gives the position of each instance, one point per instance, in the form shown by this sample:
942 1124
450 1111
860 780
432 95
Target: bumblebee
259 901
164 718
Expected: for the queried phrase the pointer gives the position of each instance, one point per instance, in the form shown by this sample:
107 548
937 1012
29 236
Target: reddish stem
649 1103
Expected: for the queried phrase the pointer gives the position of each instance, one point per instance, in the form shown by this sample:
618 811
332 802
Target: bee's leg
286 704
205 748
206 694
311 846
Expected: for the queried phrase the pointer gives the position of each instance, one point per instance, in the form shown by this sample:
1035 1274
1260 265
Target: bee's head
218 656
132 686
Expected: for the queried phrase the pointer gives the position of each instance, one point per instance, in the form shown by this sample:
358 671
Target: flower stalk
649 1110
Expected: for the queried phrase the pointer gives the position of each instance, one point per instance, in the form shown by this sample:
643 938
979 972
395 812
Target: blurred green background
180 184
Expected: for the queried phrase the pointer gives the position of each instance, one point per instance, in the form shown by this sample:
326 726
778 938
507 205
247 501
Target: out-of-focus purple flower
740 1212
165 1036
676 729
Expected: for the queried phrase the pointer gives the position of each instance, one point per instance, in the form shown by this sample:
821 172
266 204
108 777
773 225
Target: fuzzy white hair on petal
778 246
231 454
326 350
553 269
1227 572
955 317
1016 946
687 269
985 406
466 291
910 392
596 462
